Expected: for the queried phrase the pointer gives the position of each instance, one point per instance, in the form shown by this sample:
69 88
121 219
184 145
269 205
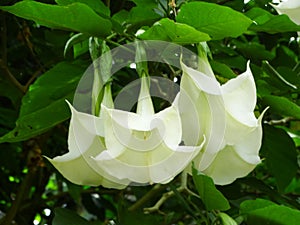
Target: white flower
224 114
77 165
120 147
290 8
144 146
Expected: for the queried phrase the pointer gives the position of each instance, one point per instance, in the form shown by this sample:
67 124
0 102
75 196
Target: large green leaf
44 104
281 157
266 22
168 30
98 6
77 17
212 198
217 21
282 106
262 211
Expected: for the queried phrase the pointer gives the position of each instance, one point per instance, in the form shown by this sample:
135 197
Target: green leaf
168 30
76 17
222 69
266 22
226 220
146 3
262 211
212 198
281 106
217 21
280 155
66 216
142 16
44 104
253 51
98 6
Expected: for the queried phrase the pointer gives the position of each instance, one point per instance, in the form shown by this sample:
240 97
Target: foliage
45 50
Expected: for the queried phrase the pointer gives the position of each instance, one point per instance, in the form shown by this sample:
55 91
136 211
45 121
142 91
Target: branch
281 121
183 188
157 188
11 77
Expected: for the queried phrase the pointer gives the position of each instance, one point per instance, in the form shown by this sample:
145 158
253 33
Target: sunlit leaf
215 20
75 17
168 30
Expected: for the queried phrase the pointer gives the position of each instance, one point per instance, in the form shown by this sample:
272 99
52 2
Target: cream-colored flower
85 142
224 114
144 146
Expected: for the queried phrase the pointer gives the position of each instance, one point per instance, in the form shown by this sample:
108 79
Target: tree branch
11 77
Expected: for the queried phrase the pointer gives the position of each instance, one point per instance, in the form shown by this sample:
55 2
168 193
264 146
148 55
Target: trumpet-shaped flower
144 146
290 8
77 165
226 118
121 147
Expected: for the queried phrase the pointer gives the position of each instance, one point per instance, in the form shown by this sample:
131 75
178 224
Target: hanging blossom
84 142
143 147
120 147
225 117
290 8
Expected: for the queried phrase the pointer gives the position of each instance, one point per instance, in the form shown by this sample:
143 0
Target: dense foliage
44 52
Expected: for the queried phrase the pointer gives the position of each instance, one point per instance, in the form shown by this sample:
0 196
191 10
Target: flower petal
202 113
86 173
204 82
228 166
145 105
239 95
91 124
159 165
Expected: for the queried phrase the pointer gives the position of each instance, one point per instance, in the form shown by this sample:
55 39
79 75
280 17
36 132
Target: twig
11 77
172 4
281 121
156 189
183 187
161 201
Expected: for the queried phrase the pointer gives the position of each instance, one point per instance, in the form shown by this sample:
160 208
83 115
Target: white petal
202 113
205 83
228 166
239 158
130 130
91 124
240 97
81 170
159 165
168 123
145 105
249 145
